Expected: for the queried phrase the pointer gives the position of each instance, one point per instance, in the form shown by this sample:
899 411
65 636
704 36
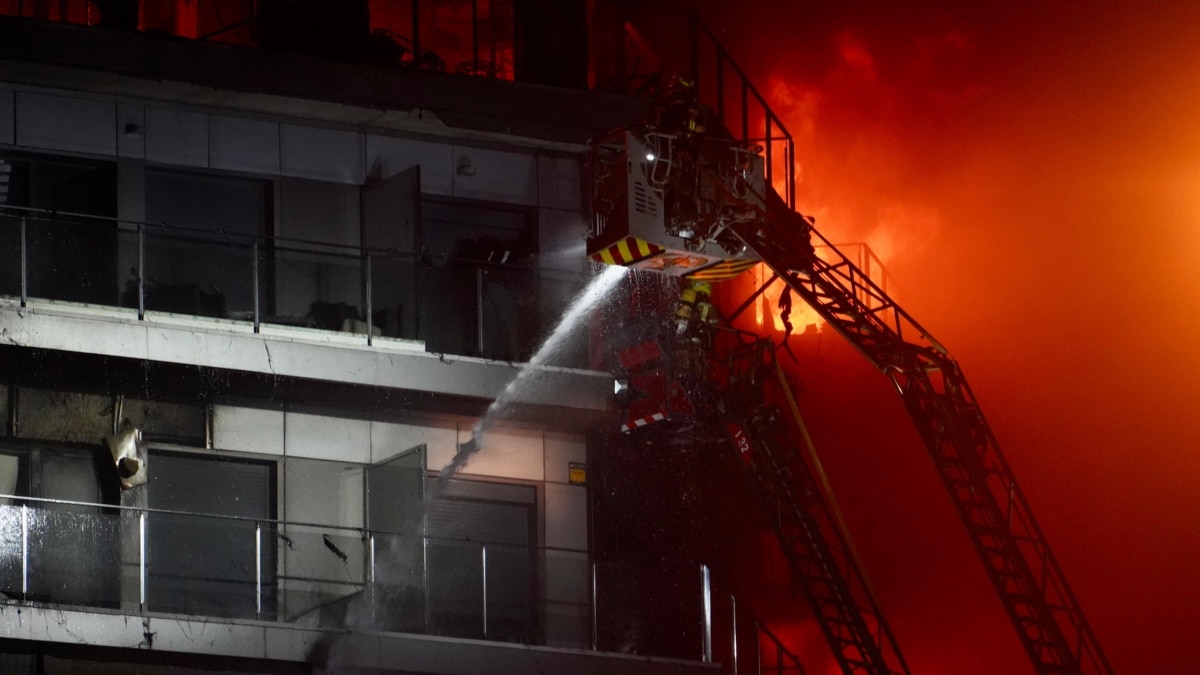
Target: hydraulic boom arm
1015 553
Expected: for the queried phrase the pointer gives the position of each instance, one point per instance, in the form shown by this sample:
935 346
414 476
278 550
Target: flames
851 168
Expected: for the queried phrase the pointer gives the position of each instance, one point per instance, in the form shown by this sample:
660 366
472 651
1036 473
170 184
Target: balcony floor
289 352
278 642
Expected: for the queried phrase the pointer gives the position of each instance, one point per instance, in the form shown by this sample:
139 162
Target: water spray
584 303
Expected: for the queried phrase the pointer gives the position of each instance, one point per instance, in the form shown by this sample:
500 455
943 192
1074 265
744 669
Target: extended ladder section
807 522
1015 553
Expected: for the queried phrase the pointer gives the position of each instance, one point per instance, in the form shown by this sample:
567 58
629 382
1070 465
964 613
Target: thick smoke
1028 169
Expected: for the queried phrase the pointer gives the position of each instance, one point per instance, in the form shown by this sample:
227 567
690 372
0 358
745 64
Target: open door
391 212
396 518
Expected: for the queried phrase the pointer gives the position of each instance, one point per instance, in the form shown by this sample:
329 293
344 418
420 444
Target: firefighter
694 307
694 318
680 111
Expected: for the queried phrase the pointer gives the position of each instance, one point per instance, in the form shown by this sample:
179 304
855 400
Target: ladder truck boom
679 196
981 485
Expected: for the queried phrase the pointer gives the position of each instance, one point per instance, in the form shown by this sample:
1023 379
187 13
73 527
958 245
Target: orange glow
1027 172
802 317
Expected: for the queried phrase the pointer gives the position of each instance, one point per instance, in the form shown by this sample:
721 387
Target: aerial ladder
693 381
982 486
680 196
781 464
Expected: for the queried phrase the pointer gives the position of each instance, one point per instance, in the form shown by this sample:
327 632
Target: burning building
273 272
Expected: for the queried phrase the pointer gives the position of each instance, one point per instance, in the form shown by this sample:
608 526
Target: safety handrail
311 560
75 218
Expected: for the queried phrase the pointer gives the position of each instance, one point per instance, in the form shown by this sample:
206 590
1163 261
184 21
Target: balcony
294 589
286 308
455 306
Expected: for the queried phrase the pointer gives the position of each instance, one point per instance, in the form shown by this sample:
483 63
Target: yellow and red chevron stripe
726 269
627 251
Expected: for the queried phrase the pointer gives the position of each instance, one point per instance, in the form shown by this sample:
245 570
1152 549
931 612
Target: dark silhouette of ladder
779 459
1002 527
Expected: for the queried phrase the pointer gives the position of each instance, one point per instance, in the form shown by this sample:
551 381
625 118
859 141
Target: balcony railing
136 560
465 307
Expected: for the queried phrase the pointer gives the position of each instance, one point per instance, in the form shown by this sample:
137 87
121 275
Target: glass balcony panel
11 549
314 289
74 555
565 608
399 599
725 613
455 591
10 255
511 588
197 275
72 259
394 303
450 308
206 566
650 608
502 313
512 326
322 575
557 292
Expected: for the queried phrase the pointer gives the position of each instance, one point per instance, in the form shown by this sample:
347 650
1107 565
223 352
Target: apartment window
67 257
58 183
14 480
199 562
480 295
194 273
73 549
482 534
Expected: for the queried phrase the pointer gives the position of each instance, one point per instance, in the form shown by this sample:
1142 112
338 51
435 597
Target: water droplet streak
599 288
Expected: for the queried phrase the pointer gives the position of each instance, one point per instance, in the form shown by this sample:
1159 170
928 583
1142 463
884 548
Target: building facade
285 264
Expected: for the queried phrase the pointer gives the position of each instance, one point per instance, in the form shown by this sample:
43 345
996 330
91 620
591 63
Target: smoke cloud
1027 171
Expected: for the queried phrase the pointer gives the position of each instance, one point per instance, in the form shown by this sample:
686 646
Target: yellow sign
577 473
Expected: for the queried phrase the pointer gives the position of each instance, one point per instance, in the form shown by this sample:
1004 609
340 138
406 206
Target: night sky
1029 173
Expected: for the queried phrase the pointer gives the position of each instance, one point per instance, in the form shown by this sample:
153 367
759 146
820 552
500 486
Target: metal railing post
24 265
595 614
475 34
770 168
733 631
483 553
258 569
367 294
416 33
694 49
141 271
791 175
142 560
371 576
428 618
745 112
721 86
254 284
757 649
706 624
479 307
24 552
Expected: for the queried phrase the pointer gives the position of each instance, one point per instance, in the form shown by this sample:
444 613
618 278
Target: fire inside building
406 336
